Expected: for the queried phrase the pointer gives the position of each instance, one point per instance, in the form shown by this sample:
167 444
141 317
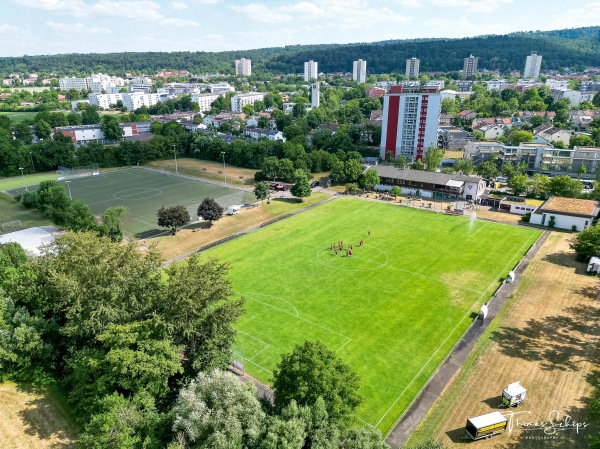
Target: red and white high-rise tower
410 122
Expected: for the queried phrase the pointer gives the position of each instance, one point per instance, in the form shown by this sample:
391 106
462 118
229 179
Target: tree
565 186
400 161
518 184
197 303
111 223
464 166
111 129
270 167
261 190
352 170
520 136
395 192
210 210
364 437
487 169
540 186
338 173
43 130
369 180
90 115
78 217
248 109
219 411
173 217
124 423
536 120
587 243
581 140
312 370
433 158
301 188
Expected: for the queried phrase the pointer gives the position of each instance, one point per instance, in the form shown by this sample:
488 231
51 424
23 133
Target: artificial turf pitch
393 310
143 192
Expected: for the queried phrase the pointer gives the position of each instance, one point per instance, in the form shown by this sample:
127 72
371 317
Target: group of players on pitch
339 247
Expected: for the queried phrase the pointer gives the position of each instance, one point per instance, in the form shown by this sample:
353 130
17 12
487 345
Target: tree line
504 52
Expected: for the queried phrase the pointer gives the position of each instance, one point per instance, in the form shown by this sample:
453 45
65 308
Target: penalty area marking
249 296
449 335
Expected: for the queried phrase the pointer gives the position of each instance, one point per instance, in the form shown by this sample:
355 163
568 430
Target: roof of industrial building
388 171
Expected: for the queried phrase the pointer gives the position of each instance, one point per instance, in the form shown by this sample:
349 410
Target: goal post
66 173
12 226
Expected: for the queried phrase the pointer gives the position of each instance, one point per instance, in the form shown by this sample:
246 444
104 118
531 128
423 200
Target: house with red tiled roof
467 115
566 213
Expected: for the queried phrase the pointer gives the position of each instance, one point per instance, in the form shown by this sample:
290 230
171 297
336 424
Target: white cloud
341 14
178 6
261 13
76 28
478 6
142 10
415 4
6 28
586 15
208 2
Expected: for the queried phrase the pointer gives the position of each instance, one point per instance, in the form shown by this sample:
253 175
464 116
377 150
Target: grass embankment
186 240
210 170
11 210
19 116
16 182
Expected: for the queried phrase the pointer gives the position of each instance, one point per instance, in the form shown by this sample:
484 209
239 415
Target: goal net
10 226
65 173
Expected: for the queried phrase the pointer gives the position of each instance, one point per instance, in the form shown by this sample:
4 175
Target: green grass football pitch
143 192
393 310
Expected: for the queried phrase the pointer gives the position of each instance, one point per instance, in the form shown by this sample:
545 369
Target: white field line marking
266 347
253 337
149 188
451 332
276 297
341 347
142 221
295 316
254 363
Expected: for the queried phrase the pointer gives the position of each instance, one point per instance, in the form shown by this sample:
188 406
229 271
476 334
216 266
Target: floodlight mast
224 170
24 181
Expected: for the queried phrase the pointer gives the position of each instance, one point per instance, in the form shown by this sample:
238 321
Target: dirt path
31 418
546 338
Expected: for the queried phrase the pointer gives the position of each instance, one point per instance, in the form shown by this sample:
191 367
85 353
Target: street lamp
224 171
175 154
24 181
31 157
69 186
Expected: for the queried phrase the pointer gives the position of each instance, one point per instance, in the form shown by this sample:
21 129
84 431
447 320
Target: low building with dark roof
429 184
566 213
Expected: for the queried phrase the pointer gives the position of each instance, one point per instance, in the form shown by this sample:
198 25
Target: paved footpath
421 405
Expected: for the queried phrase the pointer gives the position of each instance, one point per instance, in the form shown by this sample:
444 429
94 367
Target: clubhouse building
429 184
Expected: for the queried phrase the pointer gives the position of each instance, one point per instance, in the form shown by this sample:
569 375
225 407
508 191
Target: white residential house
497 84
551 134
491 132
257 133
205 101
105 101
135 100
240 100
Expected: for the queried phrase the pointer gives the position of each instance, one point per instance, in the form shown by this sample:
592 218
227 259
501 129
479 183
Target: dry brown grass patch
32 418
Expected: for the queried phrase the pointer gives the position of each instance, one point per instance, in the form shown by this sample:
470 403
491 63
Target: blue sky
100 26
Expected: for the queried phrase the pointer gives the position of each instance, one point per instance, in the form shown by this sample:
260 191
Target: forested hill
577 47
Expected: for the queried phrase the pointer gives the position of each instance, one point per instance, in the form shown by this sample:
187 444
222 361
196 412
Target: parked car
314 184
